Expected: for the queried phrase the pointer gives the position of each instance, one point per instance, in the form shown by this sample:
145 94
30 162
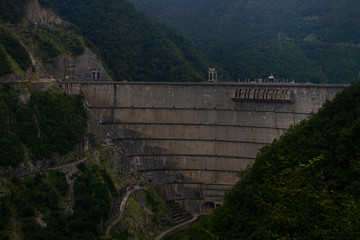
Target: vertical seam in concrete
115 92
276 124
293 114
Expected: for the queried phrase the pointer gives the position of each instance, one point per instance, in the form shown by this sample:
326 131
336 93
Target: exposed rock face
39 16
86 66
24 95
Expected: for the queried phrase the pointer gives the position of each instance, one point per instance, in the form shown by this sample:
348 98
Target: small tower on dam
271 78
212 76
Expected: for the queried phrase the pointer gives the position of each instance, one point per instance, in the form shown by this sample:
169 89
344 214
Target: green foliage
331 132
133 47
120 235
47 46
43 206
13 48
298 200
49 123
5 214
35 197
303 186
137 218
60 120
93 201
54 41
197 231
155 203
11 148
314 41
5 67
58 180
45 3
36 204
12 11
108 182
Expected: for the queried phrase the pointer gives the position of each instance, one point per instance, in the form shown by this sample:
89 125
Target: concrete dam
190 139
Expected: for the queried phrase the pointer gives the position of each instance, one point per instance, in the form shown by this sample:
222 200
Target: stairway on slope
179 215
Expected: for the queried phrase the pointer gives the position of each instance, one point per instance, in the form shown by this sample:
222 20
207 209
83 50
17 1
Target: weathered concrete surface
191 139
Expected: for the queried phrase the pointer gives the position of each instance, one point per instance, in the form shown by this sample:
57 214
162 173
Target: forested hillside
31 43
39 126
134 47
304 186
314 41
12 54
131 46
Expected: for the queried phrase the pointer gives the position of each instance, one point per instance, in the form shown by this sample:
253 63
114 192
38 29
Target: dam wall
190 139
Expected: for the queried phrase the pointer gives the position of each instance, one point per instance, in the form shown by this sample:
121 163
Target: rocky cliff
54 46
38 16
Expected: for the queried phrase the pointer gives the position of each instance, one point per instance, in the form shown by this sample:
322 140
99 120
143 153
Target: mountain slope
12 54
314 41
37 45
304 186
131 46
134 47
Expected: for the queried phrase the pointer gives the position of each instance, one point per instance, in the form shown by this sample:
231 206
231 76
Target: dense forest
40 196
48 123
134 47
304 186
131 46
45 206
12 53
315 41
12 11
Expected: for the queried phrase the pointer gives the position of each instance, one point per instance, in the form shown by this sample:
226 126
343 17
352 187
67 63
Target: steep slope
314 41
131 46
134 47
304 186
35 44
62 178
13 56
38 125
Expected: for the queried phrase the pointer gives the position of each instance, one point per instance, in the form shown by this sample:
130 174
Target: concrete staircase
179 215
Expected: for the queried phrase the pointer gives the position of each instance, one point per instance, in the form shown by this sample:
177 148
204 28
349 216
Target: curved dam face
190 139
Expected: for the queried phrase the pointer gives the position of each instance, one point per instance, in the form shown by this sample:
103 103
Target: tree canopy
315 41
134 47
49 123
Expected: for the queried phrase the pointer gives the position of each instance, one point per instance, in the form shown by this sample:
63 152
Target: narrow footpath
122 208
178 228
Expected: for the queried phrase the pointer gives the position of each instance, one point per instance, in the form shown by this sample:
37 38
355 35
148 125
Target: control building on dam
190 139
